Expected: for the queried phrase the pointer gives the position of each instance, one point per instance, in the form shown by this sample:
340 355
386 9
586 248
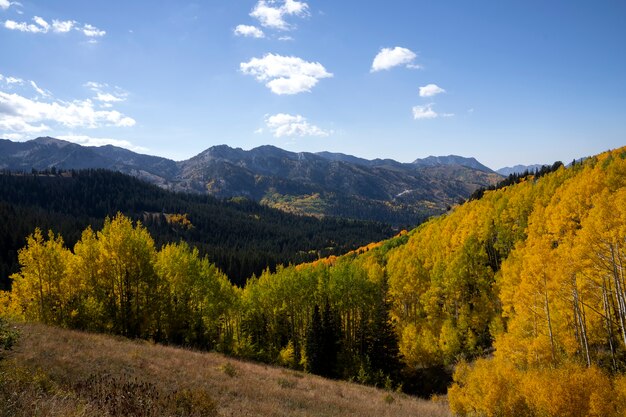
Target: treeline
115 280
515 178
240 236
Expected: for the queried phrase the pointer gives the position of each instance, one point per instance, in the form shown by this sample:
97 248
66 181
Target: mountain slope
485 271
305 183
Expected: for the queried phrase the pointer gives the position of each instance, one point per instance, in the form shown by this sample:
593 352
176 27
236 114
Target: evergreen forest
240 236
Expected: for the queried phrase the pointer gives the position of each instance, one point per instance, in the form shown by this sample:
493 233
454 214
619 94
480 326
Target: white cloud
39 90
26 27
14 80
388 58
58 26
248 31
287 125
424 112
271 16
285 74
108 98
431 90
64 26
427 112
16 124
91 141
20 114
95 85
105 96
12 136
92 31
5 4
41 22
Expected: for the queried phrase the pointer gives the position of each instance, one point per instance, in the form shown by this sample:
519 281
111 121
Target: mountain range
518 169
320 184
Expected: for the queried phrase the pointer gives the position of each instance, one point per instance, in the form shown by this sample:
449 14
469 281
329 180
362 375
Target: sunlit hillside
55 372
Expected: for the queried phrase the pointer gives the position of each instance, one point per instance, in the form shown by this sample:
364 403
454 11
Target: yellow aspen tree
38 286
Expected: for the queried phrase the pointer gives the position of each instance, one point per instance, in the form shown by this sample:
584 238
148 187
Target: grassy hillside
56 372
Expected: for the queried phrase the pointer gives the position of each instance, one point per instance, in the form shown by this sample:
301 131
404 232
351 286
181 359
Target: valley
441 308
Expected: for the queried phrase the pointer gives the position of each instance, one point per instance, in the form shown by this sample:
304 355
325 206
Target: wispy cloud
424 112
92 31
40 25
285 74
13 83
108 98
388 58
248 31
427 112
13 136
39 90
287 125
106 94
272 15
11 80
431 90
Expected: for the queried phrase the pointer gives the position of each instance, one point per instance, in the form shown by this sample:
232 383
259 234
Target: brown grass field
57 372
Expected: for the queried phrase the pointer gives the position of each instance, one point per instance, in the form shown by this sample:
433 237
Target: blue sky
505 81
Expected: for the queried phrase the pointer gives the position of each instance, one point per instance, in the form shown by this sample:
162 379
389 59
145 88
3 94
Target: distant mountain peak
469 162
518 169
47 140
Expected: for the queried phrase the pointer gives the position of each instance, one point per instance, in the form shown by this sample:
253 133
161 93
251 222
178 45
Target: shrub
229 369
8 336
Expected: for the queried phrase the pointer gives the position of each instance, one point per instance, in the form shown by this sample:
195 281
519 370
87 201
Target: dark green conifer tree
331 328
382 341
314 343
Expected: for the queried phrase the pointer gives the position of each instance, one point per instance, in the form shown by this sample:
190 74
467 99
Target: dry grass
81 374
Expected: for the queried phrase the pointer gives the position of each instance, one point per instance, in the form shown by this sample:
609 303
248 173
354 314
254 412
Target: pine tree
382 340
314 343
322 342
330 343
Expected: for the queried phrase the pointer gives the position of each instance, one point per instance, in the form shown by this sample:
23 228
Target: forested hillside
533 272
323 184
241 237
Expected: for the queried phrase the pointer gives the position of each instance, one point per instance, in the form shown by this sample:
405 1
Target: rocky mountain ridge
308 183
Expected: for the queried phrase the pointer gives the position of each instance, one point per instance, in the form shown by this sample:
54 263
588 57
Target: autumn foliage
527 281
115 281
